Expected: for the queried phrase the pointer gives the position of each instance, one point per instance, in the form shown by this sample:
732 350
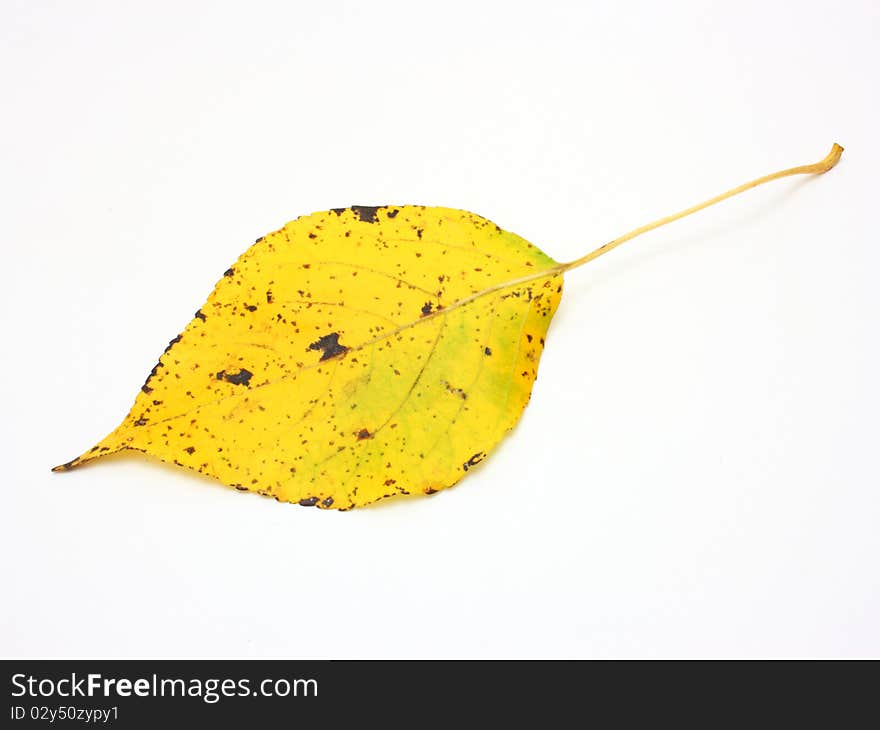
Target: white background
706 409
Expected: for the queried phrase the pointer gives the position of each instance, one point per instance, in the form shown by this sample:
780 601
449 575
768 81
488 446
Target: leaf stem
815 169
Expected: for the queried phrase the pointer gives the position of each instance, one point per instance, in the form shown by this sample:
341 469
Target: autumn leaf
352 355
358 354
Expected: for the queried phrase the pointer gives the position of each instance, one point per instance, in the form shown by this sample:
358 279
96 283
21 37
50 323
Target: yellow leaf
360 353
353 355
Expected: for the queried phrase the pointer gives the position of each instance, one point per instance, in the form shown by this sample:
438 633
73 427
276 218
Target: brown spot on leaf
363 434
450 388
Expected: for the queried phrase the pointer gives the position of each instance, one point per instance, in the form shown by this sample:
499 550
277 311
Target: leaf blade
319 366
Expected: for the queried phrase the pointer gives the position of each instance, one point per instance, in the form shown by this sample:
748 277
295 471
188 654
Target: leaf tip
67 466
91 455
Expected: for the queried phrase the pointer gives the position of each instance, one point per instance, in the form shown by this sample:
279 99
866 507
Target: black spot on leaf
473 461
242 377
330 346
145 387
173 342
366 213
309 501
